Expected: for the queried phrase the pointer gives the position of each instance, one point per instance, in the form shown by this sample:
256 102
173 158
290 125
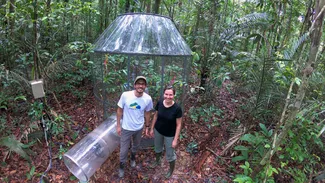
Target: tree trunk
156 6
37 73
148 6
12 19
316 34
127 6
66 28
101 4
108 10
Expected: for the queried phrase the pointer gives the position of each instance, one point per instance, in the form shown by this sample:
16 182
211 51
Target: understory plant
298 158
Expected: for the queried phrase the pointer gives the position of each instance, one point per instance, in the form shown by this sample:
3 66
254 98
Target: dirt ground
84 118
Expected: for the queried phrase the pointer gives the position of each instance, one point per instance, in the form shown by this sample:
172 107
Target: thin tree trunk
127 6
116 8
316 34
47 28
66 28
156 6
148 6
37 74
109 8
12 19
102 6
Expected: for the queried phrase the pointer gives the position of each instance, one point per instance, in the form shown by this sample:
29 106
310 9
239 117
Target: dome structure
139 44
142 34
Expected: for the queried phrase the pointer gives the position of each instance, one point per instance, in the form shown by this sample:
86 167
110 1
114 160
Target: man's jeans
125 141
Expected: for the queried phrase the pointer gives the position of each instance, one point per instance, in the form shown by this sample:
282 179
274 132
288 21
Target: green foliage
73 71
208 114
3 125
218 76
31 173
297 174
36 111
244 178
61 152
288 54
56 126
256 145
303 147
12 87
266 175
114 77
14 145
192 148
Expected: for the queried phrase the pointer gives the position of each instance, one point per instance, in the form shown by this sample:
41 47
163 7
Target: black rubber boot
157 162
121 170
171 169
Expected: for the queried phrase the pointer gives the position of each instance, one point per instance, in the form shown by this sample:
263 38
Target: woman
166 127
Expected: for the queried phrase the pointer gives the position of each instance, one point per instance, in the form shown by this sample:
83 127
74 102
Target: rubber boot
133 163
157 162
171 169
121 170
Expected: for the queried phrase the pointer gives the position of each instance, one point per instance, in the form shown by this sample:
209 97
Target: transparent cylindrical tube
84 158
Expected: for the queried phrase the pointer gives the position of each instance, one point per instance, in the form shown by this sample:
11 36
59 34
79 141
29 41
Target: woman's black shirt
166 120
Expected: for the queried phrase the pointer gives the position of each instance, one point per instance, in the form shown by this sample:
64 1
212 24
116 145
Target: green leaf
238 158
31 172
241 148
249 138
263 127
22 97
270 133
196 56
297 81
73 178
3 107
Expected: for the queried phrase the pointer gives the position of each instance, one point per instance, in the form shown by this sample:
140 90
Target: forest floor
200 162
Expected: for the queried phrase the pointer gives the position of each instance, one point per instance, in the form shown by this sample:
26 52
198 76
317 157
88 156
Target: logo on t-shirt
135 106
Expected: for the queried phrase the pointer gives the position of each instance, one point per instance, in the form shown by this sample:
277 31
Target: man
135 108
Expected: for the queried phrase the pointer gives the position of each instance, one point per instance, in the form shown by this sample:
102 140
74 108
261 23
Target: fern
14 145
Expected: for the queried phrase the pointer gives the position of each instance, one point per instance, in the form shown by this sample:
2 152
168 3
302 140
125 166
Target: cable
49 149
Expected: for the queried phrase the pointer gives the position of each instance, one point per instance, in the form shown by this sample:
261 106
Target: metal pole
103 88
128 80
162 75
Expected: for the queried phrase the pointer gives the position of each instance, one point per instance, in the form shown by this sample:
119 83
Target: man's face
140 85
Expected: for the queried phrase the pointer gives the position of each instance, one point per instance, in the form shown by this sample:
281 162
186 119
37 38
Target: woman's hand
151 133
174 143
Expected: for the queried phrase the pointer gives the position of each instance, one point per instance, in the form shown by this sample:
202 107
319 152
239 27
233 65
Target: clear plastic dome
142 34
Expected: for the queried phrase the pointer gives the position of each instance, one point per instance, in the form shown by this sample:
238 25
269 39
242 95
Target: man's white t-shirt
133 110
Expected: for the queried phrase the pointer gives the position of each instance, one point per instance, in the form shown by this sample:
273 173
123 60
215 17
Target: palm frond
14 76
243 24
19 77
288 54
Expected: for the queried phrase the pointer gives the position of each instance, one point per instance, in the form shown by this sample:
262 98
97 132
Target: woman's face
169 95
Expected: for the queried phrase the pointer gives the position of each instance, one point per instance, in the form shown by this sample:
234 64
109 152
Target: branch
313 24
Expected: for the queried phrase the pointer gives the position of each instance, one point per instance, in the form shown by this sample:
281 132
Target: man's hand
174 144
147 131
118 130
